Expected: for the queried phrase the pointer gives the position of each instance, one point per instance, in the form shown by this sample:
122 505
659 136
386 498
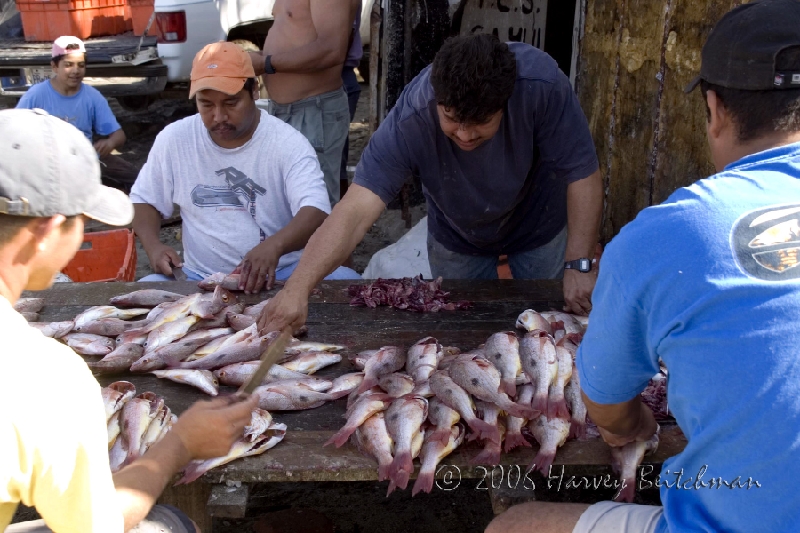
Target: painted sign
509 20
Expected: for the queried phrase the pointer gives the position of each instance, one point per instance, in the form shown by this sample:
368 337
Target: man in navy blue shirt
708 283
507 165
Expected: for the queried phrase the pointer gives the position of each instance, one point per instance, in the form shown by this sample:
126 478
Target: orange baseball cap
221 67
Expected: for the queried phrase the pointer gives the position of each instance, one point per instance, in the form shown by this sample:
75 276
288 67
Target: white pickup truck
180 28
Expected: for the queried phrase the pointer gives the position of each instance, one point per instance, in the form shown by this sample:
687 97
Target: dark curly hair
474 76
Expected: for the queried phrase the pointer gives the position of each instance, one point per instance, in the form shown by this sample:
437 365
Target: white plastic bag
408 257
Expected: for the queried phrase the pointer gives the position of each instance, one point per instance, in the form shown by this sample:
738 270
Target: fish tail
392 486
509 386
515 440
577 429
367 384
627 491
402 462
487 457
542 461
424 483
485 430
341 436
441 434
401 478
557 408
383 471
539 402
519 411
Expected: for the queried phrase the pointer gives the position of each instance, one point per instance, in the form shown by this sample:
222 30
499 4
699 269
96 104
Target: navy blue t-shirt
507 195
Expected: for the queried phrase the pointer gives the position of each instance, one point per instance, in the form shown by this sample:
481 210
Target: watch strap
268 68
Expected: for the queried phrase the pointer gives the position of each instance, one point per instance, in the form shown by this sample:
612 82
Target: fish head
211 281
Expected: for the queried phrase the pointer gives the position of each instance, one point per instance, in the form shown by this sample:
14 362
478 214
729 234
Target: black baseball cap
743 47
48 167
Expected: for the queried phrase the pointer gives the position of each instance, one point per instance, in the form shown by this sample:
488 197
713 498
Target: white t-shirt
53 436
230 198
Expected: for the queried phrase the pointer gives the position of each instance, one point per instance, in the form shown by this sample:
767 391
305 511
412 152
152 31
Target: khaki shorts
613 517
160 519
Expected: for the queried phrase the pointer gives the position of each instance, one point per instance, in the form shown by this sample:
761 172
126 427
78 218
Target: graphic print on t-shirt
766 243
240 191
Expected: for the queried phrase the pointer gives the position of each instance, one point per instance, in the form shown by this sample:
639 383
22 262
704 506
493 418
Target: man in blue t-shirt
507 165
709 284
68 98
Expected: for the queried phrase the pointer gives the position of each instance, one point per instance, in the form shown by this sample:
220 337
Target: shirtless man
302 66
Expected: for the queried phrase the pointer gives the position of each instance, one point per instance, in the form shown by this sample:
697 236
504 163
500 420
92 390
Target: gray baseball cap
48 167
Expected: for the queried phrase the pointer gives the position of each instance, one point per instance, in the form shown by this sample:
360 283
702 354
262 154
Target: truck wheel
134 103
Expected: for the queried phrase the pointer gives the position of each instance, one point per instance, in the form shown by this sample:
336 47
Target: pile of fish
508 391
137 421
412 294
200 339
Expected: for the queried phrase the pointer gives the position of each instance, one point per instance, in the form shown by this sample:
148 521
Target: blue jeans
545 262
282 274
353 90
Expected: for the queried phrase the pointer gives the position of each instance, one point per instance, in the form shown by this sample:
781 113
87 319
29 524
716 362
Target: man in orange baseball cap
249 186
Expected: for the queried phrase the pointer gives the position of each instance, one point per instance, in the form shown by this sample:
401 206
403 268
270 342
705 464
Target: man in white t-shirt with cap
249 186
53 436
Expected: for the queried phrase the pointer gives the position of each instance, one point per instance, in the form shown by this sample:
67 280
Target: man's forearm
146 224
295 235
117 139
336 239
140 484
625 422
584 213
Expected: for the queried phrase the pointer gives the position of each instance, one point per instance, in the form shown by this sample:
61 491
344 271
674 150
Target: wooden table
301 457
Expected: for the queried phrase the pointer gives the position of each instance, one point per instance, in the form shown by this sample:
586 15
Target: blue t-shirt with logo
87 110
709 282
508 194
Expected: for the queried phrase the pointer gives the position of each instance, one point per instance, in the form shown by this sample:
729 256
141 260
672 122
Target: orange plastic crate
46 20
140 13
111 256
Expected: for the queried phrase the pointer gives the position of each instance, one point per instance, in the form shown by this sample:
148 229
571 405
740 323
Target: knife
269 357
179 274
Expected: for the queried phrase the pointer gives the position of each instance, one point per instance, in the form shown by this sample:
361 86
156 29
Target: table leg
192 499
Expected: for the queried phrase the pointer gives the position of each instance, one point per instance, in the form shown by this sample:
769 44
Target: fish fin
401 478
402 461
441 434
509 386
558 408
341 436
366 384
519 410
486 430
424 483
626 492
486 457
542 462
577 429
383 472
392 486
539 402
515 441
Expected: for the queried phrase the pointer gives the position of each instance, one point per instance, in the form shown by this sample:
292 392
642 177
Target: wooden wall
636 57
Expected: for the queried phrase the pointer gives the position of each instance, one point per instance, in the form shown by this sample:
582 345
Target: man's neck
761 144
63 89
12 281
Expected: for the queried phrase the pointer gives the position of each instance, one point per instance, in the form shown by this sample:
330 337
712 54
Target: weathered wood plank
191 499
88 294
228 502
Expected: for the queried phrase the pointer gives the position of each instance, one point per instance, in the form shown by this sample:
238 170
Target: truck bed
16 52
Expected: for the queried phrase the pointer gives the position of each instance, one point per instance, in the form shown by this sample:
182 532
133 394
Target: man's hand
642 432
163 258
578 287
209 428
259 266
104 147
286 308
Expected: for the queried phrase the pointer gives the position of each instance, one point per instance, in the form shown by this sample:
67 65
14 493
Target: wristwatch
268 68
581 265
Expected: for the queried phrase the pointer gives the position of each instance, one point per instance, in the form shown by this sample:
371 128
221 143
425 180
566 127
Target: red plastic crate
46 20
111 256
140 13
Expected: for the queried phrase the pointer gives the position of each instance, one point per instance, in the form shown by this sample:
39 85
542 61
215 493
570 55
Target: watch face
584 265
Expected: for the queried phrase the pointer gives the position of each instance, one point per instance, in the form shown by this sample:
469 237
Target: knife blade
268 358
179 274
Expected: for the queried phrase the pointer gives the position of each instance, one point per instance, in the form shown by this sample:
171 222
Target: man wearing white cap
53 436
68 98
